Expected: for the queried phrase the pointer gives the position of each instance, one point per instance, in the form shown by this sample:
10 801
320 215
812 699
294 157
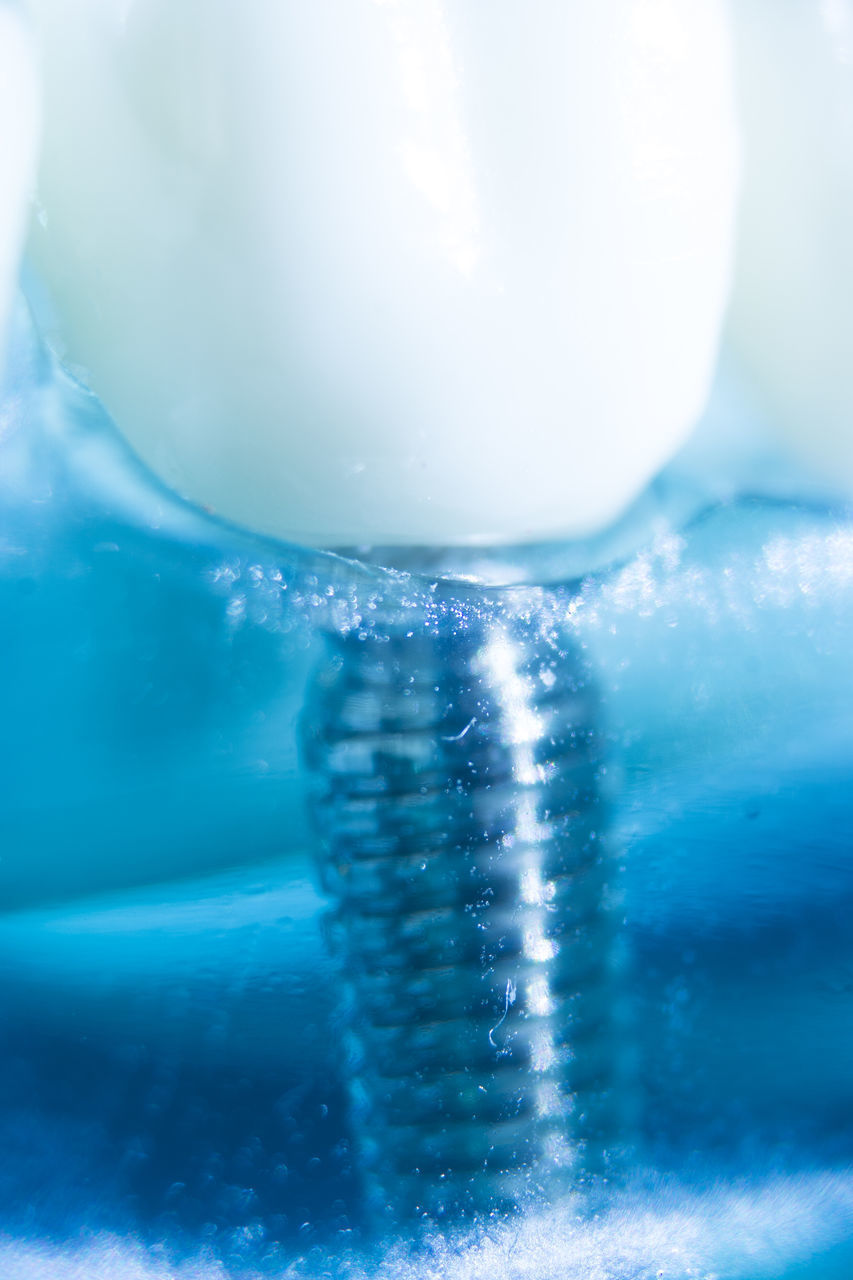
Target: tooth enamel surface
392 270
18 130
792 312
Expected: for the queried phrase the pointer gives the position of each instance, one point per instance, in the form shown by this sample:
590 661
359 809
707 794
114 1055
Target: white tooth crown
392 270
18 138
792 311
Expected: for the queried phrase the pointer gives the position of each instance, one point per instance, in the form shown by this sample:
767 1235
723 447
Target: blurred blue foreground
171 1083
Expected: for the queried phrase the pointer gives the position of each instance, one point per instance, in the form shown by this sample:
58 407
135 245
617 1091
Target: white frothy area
771 1228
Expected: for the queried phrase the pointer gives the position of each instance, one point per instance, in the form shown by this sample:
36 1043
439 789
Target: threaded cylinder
458 808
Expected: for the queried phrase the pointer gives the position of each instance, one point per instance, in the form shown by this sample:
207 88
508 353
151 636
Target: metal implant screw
457 803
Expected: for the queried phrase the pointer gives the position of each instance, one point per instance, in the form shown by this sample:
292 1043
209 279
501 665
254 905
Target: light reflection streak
434 151
523 729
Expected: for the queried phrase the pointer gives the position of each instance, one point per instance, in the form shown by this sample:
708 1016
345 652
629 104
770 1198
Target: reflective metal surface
464 838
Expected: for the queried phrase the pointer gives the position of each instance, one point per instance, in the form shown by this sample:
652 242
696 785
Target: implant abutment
459 813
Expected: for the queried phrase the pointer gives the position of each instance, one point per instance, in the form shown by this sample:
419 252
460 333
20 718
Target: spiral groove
458 808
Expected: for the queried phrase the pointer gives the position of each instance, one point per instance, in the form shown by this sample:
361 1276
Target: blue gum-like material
173 1066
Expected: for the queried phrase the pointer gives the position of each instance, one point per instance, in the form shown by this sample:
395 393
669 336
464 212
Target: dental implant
458 801
415 275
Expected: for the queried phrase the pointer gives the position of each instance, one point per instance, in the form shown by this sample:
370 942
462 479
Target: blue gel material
173 1072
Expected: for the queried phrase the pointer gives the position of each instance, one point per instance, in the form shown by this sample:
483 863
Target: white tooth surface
18 137
792 313
392 270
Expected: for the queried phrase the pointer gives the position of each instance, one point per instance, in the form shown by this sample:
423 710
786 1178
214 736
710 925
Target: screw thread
458 806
